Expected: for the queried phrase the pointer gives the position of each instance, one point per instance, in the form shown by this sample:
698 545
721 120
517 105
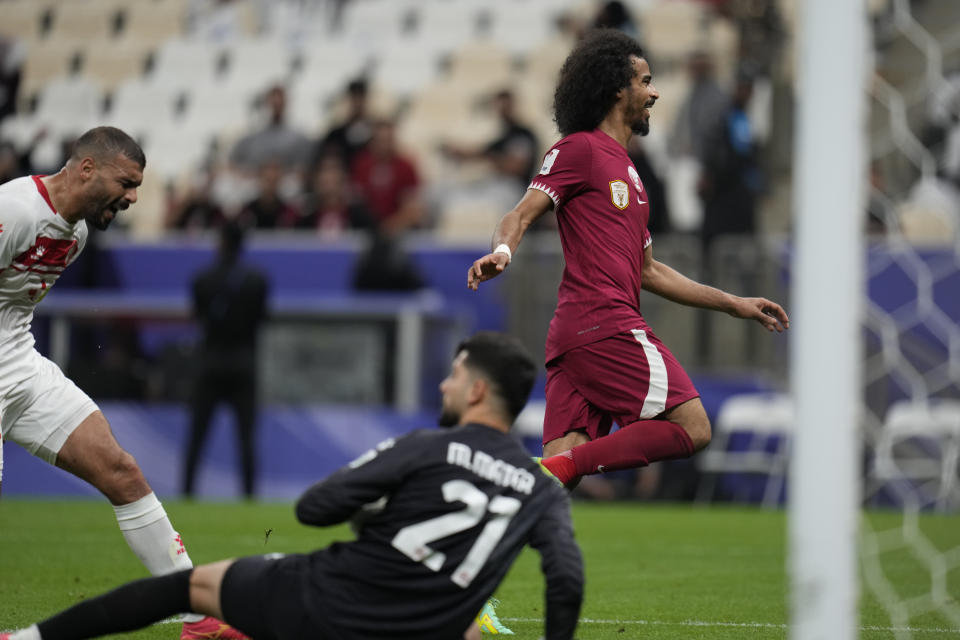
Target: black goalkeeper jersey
440 514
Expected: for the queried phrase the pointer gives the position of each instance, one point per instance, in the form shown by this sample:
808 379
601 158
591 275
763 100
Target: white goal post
828 213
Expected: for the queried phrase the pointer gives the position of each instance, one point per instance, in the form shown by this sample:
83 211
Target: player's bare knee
700 433
124 481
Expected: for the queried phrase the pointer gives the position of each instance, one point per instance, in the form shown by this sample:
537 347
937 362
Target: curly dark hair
590 78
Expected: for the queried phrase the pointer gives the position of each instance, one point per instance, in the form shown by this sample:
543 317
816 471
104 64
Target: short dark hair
593 73
103 143
503 361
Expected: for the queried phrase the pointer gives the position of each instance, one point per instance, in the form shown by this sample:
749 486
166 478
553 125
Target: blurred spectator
514 153
269 209
353 134
275 143
730 179
388 181
702 109
12 163
329 206
12 54
385 266
614 15
230 304
197 209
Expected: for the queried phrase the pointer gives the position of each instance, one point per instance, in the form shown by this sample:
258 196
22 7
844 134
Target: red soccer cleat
208 628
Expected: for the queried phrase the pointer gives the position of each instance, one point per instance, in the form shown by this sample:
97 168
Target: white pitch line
748 625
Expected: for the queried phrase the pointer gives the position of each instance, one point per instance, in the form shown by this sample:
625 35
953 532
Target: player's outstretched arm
507 237
669 283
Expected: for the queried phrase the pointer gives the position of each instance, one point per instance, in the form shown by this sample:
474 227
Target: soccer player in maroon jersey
604 363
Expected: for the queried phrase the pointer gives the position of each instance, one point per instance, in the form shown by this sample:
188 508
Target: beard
448 417
641 127
100 220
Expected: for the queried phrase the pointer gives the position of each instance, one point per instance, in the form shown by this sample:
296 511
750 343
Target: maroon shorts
624 378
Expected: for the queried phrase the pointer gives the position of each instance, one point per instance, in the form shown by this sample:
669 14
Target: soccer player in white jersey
43 227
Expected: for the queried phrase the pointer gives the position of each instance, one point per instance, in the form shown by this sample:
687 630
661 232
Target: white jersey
36 245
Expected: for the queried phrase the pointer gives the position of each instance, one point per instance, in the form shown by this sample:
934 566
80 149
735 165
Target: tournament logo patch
548 161
619 194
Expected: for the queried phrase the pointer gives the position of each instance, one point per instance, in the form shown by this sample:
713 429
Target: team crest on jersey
619 194
635 177
48 255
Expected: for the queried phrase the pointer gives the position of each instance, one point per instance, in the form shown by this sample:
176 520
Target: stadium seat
24 18
139 106
45 61
184 63
919 444
443 26
85 20
520 27
114 62
368 23
176 149
256 63
326 66
70 103
766 420
673 29
405 66
154 22
482 65
215 109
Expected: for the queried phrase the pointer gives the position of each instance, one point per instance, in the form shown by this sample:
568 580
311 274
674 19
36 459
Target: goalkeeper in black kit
440 516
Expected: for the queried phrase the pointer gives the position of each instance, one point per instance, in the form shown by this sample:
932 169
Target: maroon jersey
602 214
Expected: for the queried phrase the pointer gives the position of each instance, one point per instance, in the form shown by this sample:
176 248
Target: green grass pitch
653 571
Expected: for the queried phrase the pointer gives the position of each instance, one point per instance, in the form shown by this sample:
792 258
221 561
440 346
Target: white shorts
42 411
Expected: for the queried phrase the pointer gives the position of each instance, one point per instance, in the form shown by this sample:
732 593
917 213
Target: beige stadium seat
23 18
483 65
112 63
45 60
86 20
154 22
543 63
674 29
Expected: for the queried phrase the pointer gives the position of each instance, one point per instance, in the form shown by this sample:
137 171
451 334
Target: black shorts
263 597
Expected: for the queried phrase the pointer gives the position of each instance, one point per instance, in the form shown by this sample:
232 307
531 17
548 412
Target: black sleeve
562 566
373 475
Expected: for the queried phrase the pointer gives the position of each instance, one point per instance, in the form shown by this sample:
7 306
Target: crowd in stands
389 116
450 154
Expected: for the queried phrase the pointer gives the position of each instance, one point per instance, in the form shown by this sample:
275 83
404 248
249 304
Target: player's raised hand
768 313
489 266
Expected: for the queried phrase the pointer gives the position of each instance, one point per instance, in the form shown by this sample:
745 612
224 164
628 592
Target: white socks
31 633
148 531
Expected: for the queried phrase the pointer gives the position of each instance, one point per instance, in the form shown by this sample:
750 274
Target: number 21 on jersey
413 540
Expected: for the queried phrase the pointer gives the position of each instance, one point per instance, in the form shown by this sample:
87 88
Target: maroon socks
635 445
